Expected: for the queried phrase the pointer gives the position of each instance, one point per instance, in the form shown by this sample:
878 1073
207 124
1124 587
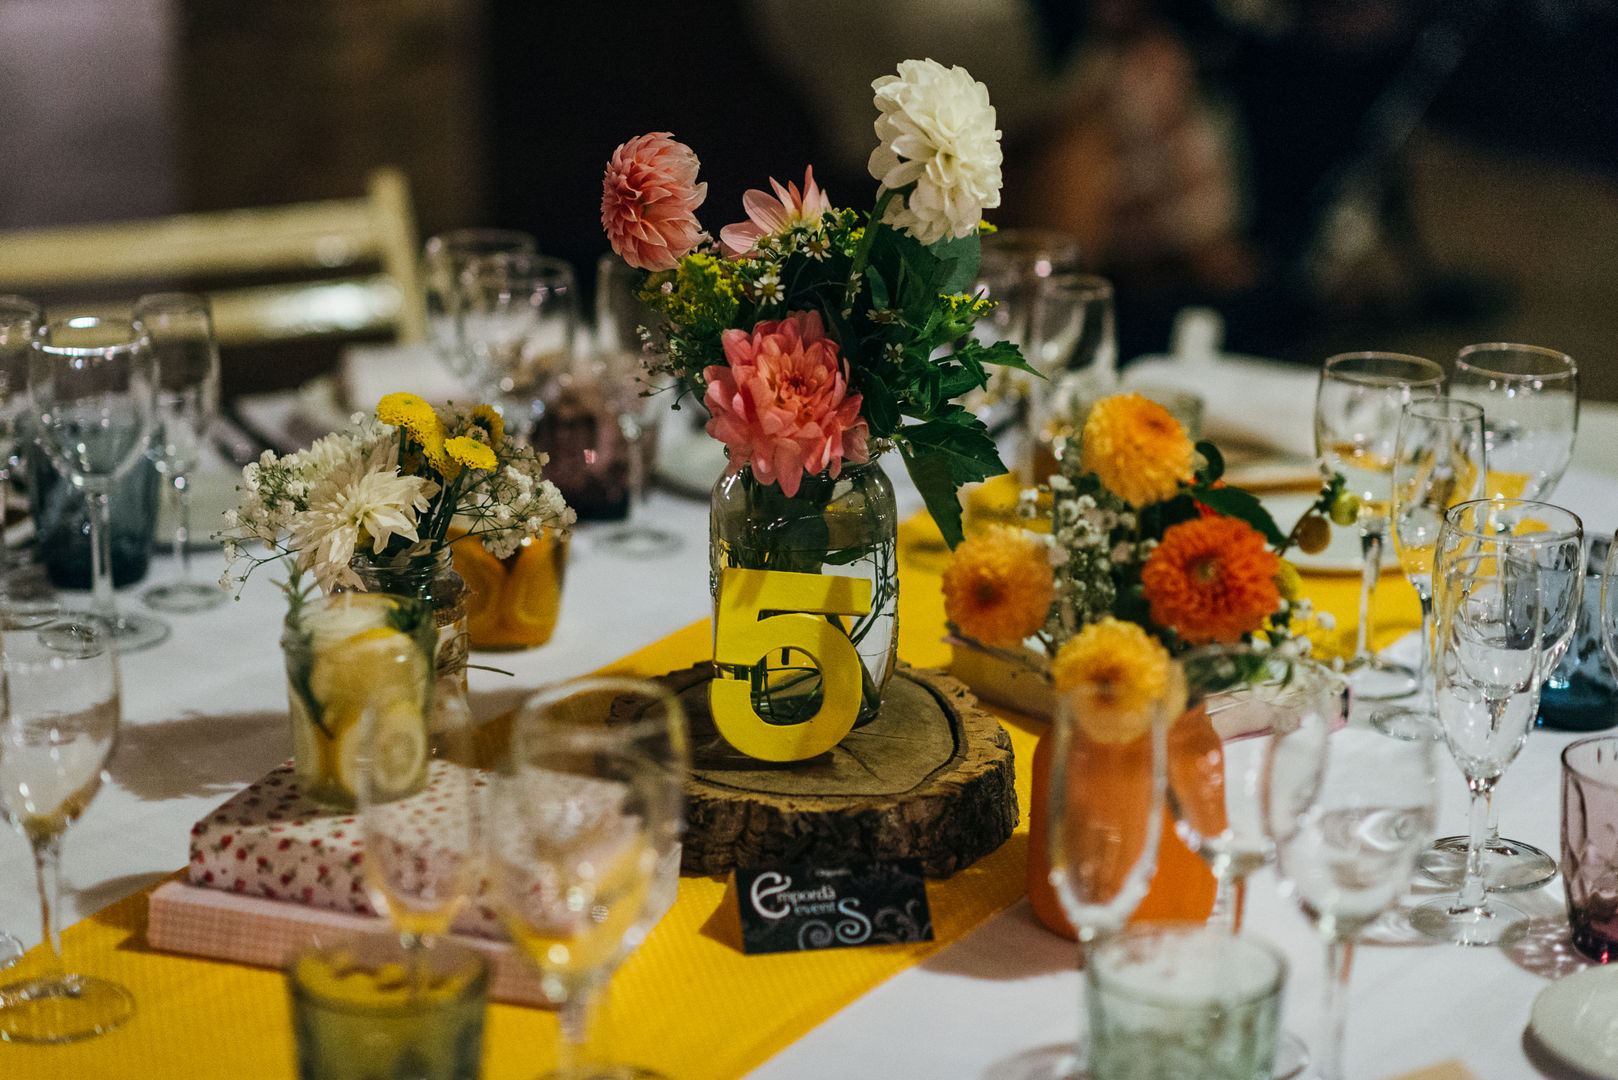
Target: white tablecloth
205 715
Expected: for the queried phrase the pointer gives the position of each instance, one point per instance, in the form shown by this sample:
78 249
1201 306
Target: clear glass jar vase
430 577
846 526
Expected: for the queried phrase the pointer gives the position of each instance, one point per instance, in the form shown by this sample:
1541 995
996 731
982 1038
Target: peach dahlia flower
782 403
769 214
649 198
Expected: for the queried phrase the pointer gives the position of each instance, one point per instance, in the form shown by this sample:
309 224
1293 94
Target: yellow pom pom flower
1115 673
1136 449
489 419
998 585
469 452
418 419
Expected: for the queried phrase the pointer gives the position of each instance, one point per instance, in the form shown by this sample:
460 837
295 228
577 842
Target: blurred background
1328 174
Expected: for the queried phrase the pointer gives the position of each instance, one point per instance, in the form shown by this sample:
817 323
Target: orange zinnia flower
998 585
1137 449
1211 579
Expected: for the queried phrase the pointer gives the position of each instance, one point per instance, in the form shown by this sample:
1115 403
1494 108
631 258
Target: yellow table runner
688 1002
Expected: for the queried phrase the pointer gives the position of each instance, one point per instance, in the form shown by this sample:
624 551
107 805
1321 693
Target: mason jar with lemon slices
345 654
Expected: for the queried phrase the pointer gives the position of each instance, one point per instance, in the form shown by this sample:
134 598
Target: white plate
1342 555
1576 1018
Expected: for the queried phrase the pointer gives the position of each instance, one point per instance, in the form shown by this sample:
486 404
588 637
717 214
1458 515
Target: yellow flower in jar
1122 674
998 585
1136 449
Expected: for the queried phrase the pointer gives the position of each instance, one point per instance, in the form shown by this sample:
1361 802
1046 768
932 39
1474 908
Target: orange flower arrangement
1212 579
1136 449
998 586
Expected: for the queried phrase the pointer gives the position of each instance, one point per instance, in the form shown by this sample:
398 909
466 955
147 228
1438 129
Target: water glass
1589 822
443 258
1173 1001
363 1008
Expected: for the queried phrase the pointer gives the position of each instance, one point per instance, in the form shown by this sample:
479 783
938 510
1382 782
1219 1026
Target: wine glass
25 596
178 328
1552 540
1438 462
56 734
443 257
1347 826
1217 752
517 320
1530 400
583 835
418 877
93 387
1073 341
1357 406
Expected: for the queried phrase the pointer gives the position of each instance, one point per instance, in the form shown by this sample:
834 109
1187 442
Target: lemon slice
379 662
398 749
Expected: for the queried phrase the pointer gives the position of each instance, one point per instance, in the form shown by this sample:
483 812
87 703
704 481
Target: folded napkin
367 373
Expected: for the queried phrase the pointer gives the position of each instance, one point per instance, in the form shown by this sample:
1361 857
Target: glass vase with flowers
816 337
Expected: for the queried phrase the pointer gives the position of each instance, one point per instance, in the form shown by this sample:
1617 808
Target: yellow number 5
742 637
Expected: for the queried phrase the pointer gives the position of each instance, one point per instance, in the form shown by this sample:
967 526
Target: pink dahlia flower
649 199
770 214
782 405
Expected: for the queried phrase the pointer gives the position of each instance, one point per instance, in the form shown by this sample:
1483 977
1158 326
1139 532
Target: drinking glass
1357 405
517 320
1530 400
583 835
55 737
178 328
1552 540
93 387
637 401
1438 462
1072 340
443 257
1347 827
25 595
419 877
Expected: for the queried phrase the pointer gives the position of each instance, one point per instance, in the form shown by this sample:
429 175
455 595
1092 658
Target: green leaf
1003 353
1237 503
958 257
1216 463
940 456
880 408
879 286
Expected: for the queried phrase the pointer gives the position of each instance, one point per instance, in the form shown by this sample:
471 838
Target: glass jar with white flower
371 509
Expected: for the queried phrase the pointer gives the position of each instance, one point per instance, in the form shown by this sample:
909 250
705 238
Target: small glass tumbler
366 1008
1171 1001
1589 820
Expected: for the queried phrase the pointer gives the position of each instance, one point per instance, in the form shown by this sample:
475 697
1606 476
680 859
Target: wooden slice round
931 778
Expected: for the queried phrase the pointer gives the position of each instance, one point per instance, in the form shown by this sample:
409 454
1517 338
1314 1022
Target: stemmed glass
56 735
583 836
443 257
419 877
1438 462
619 361
178 328
518 315
25 597
1357 405
93 386
1347 826
1518 581
1217 753
1530 400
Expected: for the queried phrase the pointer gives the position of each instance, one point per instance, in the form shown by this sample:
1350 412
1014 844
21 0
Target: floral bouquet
816 335
391 487
1147 543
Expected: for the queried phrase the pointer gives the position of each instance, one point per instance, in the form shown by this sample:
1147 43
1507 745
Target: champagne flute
1530 400
585 816
56 734
178 327
25 595
443 257
1347 826
93 387
1553 540
1438 462
1357 406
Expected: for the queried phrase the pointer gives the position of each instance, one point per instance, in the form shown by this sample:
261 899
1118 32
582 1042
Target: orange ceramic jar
512 603
1183 888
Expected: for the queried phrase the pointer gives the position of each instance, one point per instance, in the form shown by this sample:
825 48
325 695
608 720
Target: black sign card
798 908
